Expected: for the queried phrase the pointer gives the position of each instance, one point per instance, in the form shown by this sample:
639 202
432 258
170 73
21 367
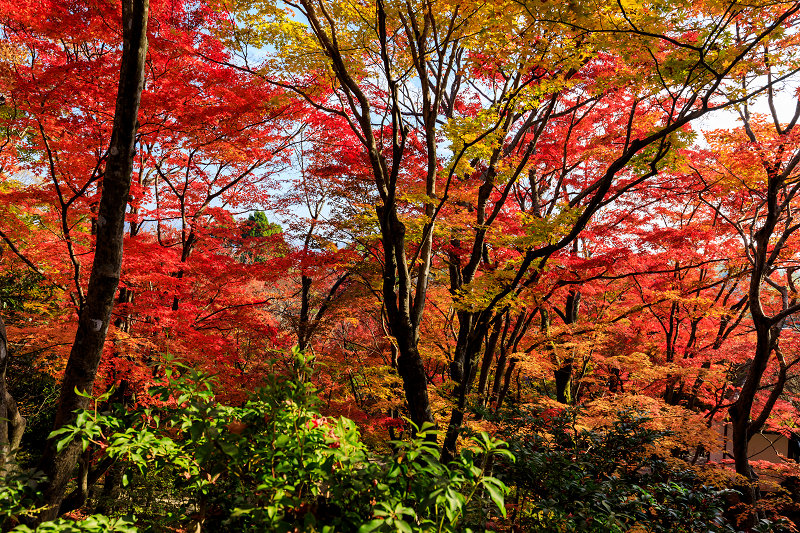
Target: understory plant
275 464
607 479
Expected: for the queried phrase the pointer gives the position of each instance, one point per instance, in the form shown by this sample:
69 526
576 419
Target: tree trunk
563 374
563 378
404 311
95 315
12 424
462 390
112 487
415 381
741 410
497 383
506 383
488 355
305 304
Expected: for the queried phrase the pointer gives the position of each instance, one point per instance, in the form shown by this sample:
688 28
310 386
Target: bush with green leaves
275 464
604 480
91 524
18 499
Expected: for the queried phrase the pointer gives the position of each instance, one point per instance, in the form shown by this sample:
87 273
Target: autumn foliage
580 215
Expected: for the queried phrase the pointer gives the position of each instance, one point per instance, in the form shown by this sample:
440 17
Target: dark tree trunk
506 382
308 324
488 354
12 424
462 390
415 381
404 311
741 411
112 487
459 365
305 304
497 383
563 374
104 280
563 379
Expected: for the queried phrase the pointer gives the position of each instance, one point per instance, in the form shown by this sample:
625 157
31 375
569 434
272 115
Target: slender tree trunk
95 315
480 325
460 363
404 311
499 371
12 424
488 355
415 381
506 382
741 410
303 325
112 486
462 390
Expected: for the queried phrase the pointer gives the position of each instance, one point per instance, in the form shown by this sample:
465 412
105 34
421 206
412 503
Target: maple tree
755 195
182 285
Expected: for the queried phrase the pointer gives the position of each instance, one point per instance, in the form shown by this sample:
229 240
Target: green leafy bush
275 464
604 480
18 497
92 524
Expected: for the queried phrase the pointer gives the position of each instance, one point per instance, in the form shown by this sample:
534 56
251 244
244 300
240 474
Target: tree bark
488 355
12 424
95 315
112 488
563 374
463 388
404 311
506 382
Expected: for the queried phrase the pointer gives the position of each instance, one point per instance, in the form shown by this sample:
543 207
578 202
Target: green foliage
18 497
416 492
603 480
275 464
17 492
91 524
258 225
23 291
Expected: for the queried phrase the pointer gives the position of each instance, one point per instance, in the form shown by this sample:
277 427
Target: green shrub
606 480
275 464
18 497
